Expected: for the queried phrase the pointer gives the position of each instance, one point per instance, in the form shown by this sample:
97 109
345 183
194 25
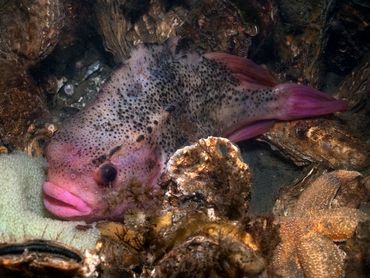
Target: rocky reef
54 56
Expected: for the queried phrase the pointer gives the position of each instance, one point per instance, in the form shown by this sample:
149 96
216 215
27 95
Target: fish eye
107 174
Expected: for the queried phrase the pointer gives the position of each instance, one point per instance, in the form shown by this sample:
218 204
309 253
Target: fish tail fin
280 102
299 101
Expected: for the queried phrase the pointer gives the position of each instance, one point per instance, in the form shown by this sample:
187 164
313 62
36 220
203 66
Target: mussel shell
39 258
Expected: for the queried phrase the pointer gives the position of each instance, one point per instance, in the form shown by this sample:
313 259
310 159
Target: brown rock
29 30
205 257
322 141
209 174
21 104
213 25
355 89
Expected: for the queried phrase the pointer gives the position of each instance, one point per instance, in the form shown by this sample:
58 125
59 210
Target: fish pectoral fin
250 130
247 72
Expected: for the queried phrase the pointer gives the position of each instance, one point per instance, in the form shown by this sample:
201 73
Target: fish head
99 178
106 158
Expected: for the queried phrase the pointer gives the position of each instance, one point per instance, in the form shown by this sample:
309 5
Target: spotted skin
152 105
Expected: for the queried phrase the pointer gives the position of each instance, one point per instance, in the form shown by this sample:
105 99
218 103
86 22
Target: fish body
107 159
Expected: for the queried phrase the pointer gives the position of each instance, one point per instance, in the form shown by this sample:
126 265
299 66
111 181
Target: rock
355 88
212 25
205 257
209 174
21 104
321 141
29 30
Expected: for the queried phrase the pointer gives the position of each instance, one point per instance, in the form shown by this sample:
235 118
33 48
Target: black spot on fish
140 138
170 108
99 160
135 90
114 150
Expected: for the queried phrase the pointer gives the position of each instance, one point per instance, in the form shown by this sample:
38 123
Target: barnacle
37 137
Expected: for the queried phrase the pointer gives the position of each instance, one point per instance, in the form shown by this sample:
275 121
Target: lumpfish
107 159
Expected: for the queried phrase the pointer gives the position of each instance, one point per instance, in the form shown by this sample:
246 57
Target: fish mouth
63 203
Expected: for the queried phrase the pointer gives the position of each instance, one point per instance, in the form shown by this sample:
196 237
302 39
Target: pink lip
63 203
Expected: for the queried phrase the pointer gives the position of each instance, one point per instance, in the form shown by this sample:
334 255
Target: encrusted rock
322 141
358 251
355 89
300 38
209 174
29 30
21 103
205 257
316 42
347 41
197 240
211 24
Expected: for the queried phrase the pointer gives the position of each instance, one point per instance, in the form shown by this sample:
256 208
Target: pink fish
106 160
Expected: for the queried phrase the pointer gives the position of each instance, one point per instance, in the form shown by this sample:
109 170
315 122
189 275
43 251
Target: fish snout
63 203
